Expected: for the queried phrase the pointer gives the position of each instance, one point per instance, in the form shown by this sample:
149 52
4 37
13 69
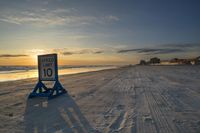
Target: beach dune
137 99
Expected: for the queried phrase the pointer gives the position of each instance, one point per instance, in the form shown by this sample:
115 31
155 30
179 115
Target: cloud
98 52
151 51
12 55
83 51
183 45
46 17
61 10
111 18
68 53
142 50
78 37
164 49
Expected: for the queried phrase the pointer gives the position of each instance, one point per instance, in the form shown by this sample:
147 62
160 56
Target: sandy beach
138 99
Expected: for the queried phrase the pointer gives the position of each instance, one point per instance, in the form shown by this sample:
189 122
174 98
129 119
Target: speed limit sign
48 71
47 66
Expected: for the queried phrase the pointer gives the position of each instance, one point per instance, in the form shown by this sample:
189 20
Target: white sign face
47 67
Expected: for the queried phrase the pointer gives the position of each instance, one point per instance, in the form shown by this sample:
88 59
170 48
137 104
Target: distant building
187 62
154 60
181 61
175 60
143 62
197 61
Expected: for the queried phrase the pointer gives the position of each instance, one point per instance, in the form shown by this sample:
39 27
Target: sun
35 52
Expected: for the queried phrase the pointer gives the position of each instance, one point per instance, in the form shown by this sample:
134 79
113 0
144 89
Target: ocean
10 73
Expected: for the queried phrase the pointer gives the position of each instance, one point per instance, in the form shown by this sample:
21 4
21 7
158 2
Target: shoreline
61 71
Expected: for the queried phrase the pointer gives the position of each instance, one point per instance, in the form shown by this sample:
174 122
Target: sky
98 32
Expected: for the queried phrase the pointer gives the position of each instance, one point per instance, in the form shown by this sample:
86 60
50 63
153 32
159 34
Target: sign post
47 71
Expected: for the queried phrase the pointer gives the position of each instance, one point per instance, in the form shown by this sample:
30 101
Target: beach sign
47 71
47 66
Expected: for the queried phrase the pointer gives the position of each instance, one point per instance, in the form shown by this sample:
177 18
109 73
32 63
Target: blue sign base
41 90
